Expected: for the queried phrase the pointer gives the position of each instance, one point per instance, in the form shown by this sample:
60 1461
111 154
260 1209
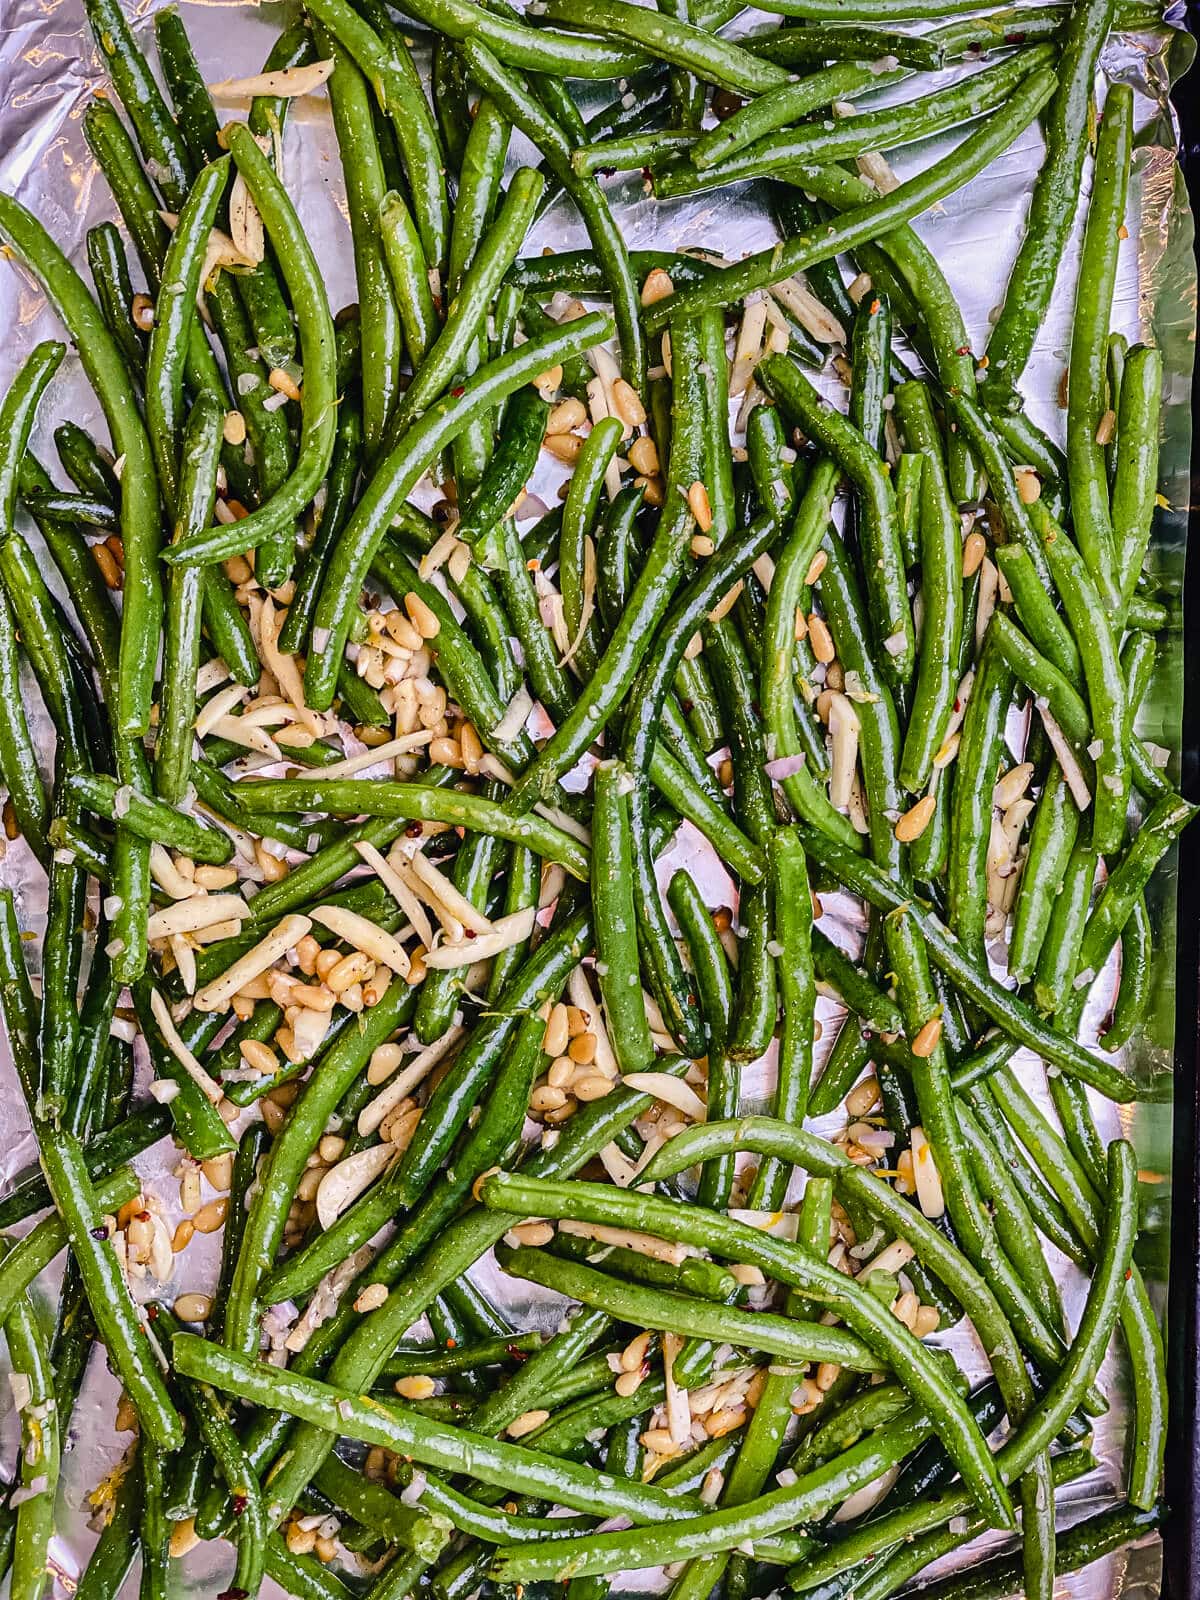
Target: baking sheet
48 70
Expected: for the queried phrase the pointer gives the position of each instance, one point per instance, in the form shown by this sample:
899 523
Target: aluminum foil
48 70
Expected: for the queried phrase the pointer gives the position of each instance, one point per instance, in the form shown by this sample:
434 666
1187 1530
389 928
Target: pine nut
627 403
629 1383
1029 485
300 1541
330 1148
820 638
643 456
700 505
421 617
533 1234
566 416
548 382
545 1098
446 753
141 311
815 568
193 1307
928 1321
905 1309
591 1086
183 1538
557 1034
561 1072
349 970
657 287
109 570
282 382
371 1299
1108 427
701 546
863 1098
927 1039
233 430
258 1055
215 878
219 1171
634 1354
914 822
564 447
325 1550
527 1422
652 489
974 550
183 1235
1012 785
471 746
212 1216
827 1375
189 1191
583 1049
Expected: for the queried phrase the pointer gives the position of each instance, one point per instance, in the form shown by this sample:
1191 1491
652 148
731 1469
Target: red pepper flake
469 933
515 1353
874 307
233 1594
451 1344
151 1313
412 830
238 1504
458 392
1014 38
964 350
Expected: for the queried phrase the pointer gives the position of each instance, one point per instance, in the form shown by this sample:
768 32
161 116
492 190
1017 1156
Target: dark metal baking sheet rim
1181 1534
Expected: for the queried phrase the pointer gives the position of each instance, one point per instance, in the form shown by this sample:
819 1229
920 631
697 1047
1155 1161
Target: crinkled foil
49 68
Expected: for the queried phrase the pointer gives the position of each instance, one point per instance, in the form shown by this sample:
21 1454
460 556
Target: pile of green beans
551 759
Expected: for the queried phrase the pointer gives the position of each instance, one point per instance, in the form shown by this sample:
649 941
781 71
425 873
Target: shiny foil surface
49 68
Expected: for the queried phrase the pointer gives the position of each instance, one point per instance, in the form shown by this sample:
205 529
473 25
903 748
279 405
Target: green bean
869 221
1051 841
616 925
793 931
1086 468
286 1161
786 155
433 1444
393 479
379 313
114 293
1052 208
883 560
941 593
109 376
172 325
1135 476
1004 1008
576 549
979 756
1137 980
856 1307
41 1446
756 1003
199 453
1105 685
554 144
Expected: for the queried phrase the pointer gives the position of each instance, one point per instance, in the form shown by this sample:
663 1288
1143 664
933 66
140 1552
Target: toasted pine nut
544 1098
349 970
547 382
109 570
212 1216
582 1049
928 1321
183 1235
258 1055
566 416
141 311
914 822
233 430
926 1041
652 489
1029 485
330 1148
634 1353
527 1422
471 746
557 1034
701 506
282 381
702 546
534 1234
372 1298
906 1308
629 1383
827 1375
1107 428
564 447
820 639
591 1086
210 878
643 456
816 567
183 1538
219 1171
863 1098
974 550
627 403
657 287
421 617
193 1307
446 753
